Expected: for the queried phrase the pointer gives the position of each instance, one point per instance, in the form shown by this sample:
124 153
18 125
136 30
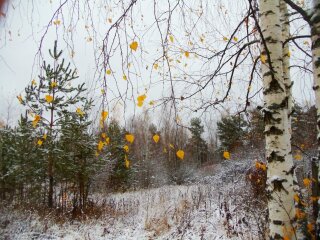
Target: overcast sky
27 21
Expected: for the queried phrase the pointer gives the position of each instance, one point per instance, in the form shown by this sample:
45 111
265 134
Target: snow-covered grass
207 210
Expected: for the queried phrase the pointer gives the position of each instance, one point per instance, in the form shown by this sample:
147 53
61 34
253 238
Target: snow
170 212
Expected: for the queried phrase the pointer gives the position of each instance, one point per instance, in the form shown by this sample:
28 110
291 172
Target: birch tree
280 165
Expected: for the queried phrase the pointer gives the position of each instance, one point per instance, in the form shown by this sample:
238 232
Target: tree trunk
315 48
278 152
288 85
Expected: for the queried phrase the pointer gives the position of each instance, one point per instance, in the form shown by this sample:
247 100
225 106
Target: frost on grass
213 207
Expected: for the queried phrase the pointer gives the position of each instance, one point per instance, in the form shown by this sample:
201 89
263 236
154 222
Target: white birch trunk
278 150
288 85
315 48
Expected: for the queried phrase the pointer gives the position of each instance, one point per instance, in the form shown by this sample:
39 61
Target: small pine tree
48 101
231 132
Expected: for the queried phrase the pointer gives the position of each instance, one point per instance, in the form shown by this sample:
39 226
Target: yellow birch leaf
263 58
171 38
20 99
129 138
107 142
307 182
39 142
53 84
104 115
141 97
57 22
226 155
180 154
124 77
140 103
151 103
126 162
103 135
134 45
44 136
108 72
225 39
126 148
298 157
80 112
171 145
186 53
100 145
155 66
35 120
235 39
33 82
49 98
156 138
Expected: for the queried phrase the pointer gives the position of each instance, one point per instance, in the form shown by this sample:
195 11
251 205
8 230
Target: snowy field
210 209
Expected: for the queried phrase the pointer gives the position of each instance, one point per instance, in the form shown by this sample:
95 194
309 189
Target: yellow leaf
261 166
140 103
235 39
296 198
263 58
155 66
103 91
124 77
180 154
156 138
104 115
20 99
126 162
298 157
126 148
100 145
53 84
130 138
151 103
226 155
225 39
141 99
107 142
165 150
171 38
109 20
103 135
108 71
33 82
186 53
39 142
307 182
57 22
35 120
49 98
289 54
44 136
80 112
134 45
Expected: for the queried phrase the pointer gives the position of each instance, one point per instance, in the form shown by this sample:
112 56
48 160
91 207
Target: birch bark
315 48
278 151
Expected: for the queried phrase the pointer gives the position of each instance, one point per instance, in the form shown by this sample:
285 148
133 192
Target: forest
146 119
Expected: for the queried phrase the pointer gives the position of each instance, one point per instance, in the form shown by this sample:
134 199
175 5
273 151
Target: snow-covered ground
206 210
